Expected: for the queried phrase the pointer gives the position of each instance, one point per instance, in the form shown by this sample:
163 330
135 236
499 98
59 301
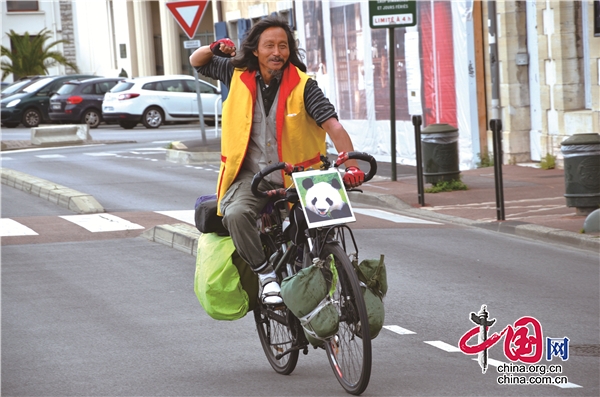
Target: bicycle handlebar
289 169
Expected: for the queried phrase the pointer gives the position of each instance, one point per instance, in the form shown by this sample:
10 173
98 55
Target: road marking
101 154
443 345
492 362
398 330
101 222
388 216
10 228
569 385
50 156
183 215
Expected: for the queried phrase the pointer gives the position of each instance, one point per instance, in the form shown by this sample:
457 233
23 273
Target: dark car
81 101
30 105
18 85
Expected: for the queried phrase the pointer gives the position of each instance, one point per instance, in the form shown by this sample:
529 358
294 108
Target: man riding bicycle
274 112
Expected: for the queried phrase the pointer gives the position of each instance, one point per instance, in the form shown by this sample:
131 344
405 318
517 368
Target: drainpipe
550 75
535 105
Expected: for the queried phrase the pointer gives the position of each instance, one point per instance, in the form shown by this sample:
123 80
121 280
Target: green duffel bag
373 277
375 312
373 274
303 291
322 322
305 294
224 284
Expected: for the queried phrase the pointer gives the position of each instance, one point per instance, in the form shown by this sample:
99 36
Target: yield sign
188 14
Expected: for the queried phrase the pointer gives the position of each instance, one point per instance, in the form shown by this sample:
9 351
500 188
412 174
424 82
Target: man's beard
277 72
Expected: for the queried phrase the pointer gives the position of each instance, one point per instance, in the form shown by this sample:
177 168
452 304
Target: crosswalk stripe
100 154
389 216
11 228
184 215
101 222
50 156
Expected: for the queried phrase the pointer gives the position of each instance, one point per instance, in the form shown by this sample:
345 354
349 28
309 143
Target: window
381 76
315 40
66 89
204 88
348 58
103 88
15 6
123 86
88 90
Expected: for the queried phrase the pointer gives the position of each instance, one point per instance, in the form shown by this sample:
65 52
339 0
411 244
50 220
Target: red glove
216 47
353 177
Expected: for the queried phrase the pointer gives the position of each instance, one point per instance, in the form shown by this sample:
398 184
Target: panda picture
323 202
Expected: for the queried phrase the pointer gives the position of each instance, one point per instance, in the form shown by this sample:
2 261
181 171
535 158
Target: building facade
548 57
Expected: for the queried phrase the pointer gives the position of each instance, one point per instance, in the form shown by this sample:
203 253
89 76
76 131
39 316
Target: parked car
19 85
158 99
30 105
80 101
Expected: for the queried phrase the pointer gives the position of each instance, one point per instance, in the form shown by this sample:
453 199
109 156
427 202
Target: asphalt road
112 314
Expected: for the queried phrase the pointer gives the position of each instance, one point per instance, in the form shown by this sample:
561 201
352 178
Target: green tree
31 55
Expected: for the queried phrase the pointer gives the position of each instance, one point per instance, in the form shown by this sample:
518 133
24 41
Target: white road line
569 385
388 216
101 154
184 215
11 228
398 330
101 222
443 345
50 156
492 362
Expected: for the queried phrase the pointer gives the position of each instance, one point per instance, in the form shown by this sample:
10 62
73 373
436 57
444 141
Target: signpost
391 14
188 15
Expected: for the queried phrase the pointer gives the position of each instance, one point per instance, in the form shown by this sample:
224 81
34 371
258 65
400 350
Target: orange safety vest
300 141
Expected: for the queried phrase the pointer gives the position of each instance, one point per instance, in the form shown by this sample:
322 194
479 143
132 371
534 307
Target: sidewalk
531 195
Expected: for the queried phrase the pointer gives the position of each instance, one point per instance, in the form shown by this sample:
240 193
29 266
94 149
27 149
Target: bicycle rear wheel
276 337
349 351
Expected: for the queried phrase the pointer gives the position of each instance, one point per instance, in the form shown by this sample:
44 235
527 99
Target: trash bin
439 146
582 172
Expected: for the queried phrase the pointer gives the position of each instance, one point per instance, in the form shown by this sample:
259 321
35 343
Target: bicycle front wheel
349 351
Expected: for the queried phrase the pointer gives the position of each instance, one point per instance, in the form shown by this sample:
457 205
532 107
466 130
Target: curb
181 236
184 157
63 196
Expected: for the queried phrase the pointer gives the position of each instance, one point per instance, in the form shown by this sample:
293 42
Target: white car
155 99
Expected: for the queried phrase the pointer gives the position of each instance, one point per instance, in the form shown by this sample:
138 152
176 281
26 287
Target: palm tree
30 55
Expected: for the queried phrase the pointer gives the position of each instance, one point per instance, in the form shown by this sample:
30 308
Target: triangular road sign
188 14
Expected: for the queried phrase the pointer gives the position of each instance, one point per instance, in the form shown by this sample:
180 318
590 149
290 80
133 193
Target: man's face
273 50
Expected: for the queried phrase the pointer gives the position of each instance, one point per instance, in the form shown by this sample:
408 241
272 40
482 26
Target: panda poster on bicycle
323 197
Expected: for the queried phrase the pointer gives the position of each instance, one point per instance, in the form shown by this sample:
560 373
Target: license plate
108 108
56 106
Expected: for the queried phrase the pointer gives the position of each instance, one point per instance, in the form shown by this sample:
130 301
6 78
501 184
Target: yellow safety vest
300 141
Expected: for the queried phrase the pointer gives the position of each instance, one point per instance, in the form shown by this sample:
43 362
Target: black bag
206 218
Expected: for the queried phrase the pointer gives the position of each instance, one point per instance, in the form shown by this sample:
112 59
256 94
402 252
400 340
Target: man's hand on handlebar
353 177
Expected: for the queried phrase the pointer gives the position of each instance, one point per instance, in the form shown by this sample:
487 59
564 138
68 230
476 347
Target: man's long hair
245 57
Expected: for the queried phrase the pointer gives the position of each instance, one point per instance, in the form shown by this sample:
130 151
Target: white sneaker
270 293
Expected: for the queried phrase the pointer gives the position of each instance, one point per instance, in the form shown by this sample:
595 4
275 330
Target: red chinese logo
519 344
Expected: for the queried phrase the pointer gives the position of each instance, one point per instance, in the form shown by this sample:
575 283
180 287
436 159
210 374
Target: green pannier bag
372 274
305 294
225 285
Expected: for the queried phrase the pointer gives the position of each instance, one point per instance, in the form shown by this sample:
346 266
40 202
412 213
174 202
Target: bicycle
280 332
